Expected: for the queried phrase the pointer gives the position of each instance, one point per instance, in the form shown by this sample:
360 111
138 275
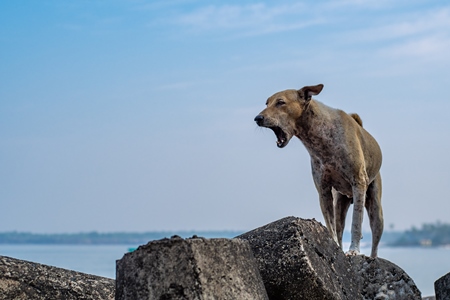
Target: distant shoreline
96 238
429 236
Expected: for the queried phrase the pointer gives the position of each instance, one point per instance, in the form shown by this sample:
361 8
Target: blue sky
138 115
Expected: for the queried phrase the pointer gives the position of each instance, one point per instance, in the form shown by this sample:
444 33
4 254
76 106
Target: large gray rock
380 279
442 287
298 259
20 280
194 268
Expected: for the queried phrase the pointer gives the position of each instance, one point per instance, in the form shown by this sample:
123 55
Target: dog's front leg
341 206
326 204
324 188
359 198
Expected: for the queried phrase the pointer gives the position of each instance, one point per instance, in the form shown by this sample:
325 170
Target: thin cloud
177 85
436 20
406 26
356 4
406 39
430 48
425 37
261 18
183 85
252 19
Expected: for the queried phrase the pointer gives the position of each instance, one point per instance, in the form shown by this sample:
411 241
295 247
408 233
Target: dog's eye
280 102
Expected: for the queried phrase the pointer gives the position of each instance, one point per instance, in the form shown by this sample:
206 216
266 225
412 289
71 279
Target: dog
345 159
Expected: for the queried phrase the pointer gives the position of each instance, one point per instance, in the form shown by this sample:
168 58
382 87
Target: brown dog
345 159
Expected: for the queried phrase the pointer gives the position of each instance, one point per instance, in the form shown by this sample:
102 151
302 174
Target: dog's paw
352 253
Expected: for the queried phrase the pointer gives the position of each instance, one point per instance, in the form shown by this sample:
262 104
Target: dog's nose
259 119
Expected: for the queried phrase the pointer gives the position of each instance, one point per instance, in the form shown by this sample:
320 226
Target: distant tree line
96 238
437 234
431 234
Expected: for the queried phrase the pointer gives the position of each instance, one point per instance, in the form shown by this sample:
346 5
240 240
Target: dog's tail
357 119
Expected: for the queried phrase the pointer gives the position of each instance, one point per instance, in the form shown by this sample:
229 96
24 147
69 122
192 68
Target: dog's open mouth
282 138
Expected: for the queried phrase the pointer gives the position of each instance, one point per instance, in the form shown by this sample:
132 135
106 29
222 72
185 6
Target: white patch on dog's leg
359 197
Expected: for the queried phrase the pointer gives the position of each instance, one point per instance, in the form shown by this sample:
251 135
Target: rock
442 287
27 280
381 279
298 259
194 268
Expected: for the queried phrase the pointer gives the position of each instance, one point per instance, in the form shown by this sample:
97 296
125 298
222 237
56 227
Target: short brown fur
345 159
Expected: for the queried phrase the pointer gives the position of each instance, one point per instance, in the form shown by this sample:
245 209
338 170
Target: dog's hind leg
341 205
375 212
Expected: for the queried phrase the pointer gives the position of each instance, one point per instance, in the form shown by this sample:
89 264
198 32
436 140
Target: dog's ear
308 91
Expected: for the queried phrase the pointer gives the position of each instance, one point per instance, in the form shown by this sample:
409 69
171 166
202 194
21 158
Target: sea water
423 265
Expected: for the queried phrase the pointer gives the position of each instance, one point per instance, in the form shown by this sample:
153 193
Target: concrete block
194 268
298 259
22 280
381 279
442 287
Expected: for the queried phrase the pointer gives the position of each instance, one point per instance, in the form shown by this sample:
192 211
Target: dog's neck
315 128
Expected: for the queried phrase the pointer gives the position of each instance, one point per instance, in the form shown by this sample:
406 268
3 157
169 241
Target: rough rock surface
27 280
194 268
380 279
442 287
298 259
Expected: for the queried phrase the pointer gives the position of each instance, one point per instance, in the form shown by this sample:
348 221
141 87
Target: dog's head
284 109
